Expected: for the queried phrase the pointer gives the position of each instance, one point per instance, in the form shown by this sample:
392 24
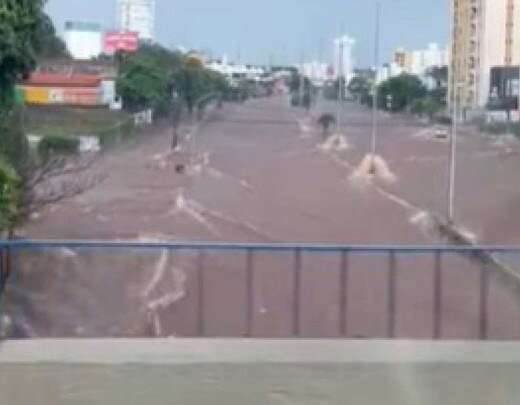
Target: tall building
83 39
402 59
418 62
137 16
484 34
343 63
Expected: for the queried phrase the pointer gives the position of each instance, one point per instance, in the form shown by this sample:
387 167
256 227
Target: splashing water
373 167
336 142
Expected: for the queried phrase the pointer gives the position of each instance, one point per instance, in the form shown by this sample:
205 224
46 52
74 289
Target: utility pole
375 99
453 154
341 84
301 89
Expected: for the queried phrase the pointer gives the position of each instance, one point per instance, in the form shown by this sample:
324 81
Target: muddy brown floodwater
262 172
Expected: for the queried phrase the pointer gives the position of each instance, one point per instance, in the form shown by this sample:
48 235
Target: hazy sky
278 29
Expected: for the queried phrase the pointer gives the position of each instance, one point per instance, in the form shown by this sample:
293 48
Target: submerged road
260 172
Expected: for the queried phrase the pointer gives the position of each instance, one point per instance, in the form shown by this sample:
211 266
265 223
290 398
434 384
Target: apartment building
485 34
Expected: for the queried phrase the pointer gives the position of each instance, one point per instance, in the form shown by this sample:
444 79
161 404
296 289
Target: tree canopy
26 33
399 93
149 78
360 87
48 44
20 23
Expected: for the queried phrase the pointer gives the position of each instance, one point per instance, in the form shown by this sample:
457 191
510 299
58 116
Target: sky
278 31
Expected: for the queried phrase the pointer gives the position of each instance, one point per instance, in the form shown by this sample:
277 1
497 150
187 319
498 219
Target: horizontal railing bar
267 247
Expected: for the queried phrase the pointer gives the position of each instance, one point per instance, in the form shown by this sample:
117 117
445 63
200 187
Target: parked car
441 132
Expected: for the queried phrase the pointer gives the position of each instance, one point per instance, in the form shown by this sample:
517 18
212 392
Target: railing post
343 291
391 295
437 296
5 267
483 302
297 291
201 327
250 298
2 270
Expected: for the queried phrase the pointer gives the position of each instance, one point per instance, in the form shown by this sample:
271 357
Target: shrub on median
9 183
57 145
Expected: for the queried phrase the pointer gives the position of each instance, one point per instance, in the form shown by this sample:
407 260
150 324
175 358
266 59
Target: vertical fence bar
297 291
391 295
3 275
483 302
343 291
437 296
201 327
250 298
5 267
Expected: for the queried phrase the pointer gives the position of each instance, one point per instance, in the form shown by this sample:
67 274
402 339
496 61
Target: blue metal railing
482 255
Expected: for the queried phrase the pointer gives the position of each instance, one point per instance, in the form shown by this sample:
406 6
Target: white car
441 133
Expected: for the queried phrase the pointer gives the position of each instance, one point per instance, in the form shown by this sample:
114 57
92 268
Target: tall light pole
341 84
375 99
453 153
302 80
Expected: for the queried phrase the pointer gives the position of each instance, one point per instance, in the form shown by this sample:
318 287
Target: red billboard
120 41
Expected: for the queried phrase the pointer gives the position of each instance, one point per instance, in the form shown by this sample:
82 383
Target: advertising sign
120 42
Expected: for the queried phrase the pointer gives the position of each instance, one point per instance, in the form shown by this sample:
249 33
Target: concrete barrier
153 372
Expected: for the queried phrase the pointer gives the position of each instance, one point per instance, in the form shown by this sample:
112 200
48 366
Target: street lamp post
375 95
453 155
301 83
341 84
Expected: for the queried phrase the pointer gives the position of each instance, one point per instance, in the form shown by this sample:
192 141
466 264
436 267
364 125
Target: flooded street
262 172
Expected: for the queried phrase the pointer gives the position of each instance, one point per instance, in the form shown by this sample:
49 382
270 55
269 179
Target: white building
424 59
83 39
235 71
137 16
343 47
317 72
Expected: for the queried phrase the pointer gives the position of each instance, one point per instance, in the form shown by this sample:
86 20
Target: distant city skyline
277 32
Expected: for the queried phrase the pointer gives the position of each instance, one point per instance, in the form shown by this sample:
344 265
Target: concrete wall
184 372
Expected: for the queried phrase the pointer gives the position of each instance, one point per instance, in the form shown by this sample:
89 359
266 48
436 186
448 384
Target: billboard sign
120 42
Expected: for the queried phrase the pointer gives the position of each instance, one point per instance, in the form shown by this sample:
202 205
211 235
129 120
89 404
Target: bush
14 146
57 145
8 195
495 128
426 107
113 135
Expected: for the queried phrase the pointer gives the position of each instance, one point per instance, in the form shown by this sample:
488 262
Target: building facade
137 16
317 72
484 34
417 62
343 61
83 39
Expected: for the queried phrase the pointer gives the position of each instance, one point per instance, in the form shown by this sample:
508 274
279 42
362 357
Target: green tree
14 148
195 84
48 44
8 196
399 93
427 107
20 22
360 87
26 32
148 79
144 84
439 75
